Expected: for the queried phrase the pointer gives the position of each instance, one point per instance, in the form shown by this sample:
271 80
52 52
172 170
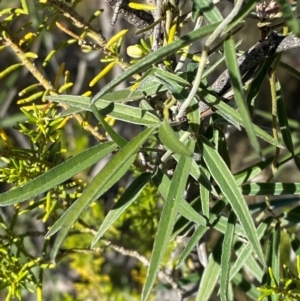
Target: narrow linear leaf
244 285
255 86
270 188
283 120
290 69
109 175
127 198
118 139
243 13
221 225
233 116
273 258
167 220
226 257
178 91
295 243
204 192
157 56
168 138
116 110
211 273
188 210
200 231
208 9
57 174
171 76
289 16
236 82
192 243
246 251
226 182
252 171
191 214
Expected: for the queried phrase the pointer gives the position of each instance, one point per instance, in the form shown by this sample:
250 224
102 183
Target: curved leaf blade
211 273
57 174
109 175
236 83
127 198
168 138
226 256
167 220
116 110
227 184
283 120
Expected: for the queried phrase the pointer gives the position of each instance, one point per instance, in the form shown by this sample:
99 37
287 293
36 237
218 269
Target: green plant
181 179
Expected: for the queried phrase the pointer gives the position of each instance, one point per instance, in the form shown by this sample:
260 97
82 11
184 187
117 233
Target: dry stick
274 44
218 31
157 41
139 18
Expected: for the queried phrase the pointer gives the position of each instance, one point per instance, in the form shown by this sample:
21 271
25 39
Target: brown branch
139 18
251 59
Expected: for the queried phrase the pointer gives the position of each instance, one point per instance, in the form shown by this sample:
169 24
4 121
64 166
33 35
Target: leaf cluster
182 194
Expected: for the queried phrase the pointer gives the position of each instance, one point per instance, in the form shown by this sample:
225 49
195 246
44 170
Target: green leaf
290 18
233 116
255 86
283 120
128 197
167 219
156 57
118 139
226 256
191 214
208 9
211 273
177 90
200 231
204 192
273 258
270 188
187 210
252 171
107 177
244 285
57 174
169 140
227 185
236 83
290 69
243 13
246 251
168 75
295 243
118 111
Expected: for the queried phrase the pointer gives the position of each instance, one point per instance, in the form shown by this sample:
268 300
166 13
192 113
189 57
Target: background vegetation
113 186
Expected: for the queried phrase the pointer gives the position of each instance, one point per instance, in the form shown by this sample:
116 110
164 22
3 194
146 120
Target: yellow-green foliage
25 26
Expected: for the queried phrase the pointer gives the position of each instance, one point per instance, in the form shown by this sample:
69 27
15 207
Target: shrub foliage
166 204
